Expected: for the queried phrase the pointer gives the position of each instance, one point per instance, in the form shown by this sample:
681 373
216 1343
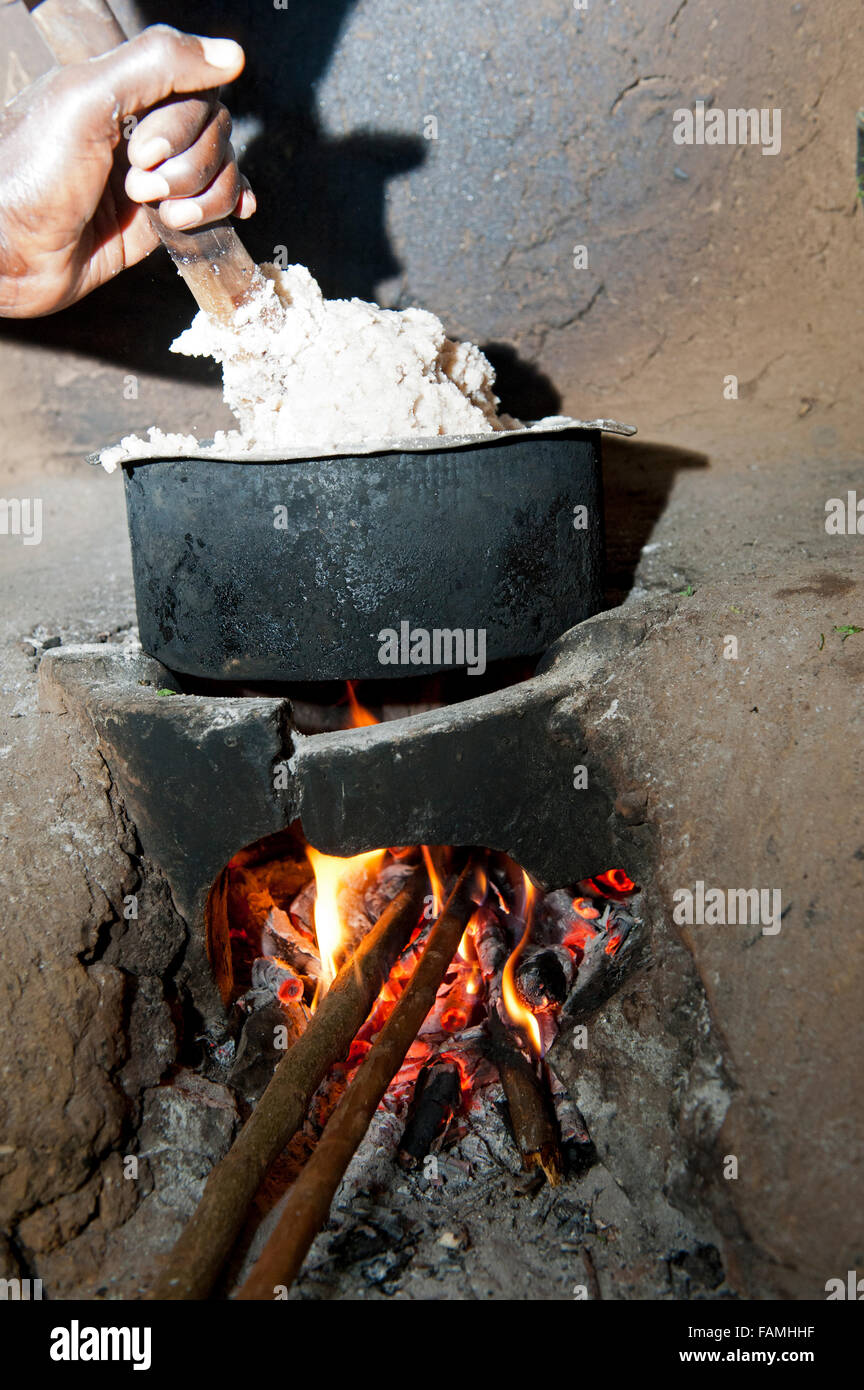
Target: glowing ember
586 909
578 936
614 882
518 1012
454 1019
290 991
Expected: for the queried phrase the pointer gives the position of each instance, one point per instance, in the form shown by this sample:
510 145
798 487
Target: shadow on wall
637 482
323 198
523 389
320 197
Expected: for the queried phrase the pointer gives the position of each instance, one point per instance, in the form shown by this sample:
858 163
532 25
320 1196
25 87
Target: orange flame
469 966
360 717
332 874
437 890
513 1004
467 950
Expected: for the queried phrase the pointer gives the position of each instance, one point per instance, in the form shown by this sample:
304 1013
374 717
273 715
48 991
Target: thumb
160 62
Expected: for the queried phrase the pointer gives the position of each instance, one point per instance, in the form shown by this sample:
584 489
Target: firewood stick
192 1268
309 1200
531 1115
534 1126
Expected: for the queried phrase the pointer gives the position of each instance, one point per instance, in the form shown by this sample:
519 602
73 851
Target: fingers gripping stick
213 261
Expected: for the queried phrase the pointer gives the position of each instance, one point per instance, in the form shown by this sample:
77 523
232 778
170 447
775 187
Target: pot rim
549 427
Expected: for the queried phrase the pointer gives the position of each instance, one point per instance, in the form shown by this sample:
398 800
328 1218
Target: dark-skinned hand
84 147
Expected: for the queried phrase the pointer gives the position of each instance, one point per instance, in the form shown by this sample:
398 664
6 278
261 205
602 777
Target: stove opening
325 706
283 920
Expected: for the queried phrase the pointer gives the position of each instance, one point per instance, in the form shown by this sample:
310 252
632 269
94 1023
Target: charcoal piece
579 1157
379 1242
356 922
437 1096
620 923
361 1241
556 914
600 971
302 909
268 976
543 977
391 1224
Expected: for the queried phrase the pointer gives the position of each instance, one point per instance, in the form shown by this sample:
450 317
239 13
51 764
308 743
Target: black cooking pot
290 570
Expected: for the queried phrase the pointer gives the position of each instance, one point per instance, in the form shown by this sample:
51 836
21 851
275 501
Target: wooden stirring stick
213 261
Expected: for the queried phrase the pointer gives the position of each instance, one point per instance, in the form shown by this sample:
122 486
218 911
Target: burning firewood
432 1027
309 1200
194 1265
490 946
531 1117
274 1009
279 937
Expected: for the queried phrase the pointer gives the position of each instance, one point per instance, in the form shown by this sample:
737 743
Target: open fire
525 958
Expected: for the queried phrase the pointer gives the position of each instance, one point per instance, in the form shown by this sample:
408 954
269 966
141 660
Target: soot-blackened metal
480 536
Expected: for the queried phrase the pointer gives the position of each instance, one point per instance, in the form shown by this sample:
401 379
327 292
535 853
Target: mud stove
220 795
